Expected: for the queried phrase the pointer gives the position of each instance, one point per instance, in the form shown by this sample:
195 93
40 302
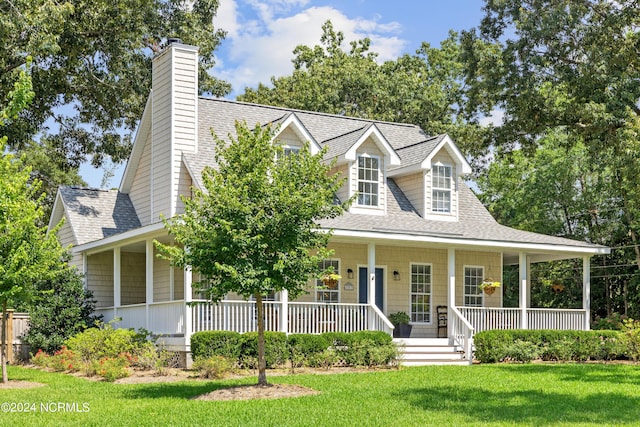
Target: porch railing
166 317
462 331
485 318
302 317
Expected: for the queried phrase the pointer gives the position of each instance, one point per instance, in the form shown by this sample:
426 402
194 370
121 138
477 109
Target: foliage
564 75
276 350
525 345
66 360
399 318
61 309
303 348
28 254
631 330
522 351
112 368
212 367
61 360
611 323
91 68
205 344
107 342
253 229
425 89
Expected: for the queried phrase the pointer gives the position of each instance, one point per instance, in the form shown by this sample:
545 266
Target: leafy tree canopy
425 89
253 229
94 59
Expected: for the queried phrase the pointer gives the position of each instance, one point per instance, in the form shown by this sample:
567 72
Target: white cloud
496 118
262 35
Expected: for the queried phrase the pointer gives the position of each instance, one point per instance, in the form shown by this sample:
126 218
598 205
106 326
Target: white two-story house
415 239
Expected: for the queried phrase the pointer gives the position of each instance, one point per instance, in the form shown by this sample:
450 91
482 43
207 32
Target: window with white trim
368 181
421 293
287 150
441 189
473 277
329 293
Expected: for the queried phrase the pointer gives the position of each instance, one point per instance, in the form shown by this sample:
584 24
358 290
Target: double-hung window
328 292
441 189
421 293
368 180
473 277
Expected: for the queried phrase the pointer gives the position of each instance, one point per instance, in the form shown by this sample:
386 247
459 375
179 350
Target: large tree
425 88
570 68
92 71
253 229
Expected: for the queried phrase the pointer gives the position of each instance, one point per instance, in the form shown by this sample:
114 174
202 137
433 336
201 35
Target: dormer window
368 181
441 189
287 150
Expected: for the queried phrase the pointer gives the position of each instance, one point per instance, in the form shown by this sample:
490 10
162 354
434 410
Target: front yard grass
534 394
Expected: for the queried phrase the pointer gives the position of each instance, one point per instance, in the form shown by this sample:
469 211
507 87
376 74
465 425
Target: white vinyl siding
140 189
174 125
420 293
473 277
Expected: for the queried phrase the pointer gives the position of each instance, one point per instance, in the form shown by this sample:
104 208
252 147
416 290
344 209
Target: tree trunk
3 347
262 363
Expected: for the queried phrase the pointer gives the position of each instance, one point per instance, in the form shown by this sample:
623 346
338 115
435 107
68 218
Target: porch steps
428 351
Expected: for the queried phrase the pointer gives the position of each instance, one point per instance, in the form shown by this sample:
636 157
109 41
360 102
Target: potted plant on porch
489 286
402 328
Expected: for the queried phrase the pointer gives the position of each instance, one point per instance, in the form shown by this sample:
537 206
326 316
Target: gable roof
95 214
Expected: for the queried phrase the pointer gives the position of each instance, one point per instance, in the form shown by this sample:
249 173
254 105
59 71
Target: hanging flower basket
489 286
330 281
557 288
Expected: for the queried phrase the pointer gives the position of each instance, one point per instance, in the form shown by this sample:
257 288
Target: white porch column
117 282
371 265
586 291
188 311
149 282
451 296
523 270
284 311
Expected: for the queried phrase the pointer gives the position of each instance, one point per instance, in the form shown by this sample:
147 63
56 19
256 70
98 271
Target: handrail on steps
462 332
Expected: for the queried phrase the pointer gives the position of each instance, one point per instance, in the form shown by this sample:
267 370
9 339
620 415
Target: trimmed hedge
216 343
526 345
364 348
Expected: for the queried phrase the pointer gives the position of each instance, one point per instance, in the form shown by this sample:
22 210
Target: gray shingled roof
339 133
95 214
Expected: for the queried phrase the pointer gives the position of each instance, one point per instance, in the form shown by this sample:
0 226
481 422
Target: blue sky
261 36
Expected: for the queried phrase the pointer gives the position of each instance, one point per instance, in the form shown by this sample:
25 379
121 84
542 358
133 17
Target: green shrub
62 360
496 345
325 359
305 349
523 351
112 368
491 346
152 358
276 351
105 341
216 343
631 331
213 367
560 350
612 323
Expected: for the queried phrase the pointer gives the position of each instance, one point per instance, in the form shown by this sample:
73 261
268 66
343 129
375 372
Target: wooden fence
17 325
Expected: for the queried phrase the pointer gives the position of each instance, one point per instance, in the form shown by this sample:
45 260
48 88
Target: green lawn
534 395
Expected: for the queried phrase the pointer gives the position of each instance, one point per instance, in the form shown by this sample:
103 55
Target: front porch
175 321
